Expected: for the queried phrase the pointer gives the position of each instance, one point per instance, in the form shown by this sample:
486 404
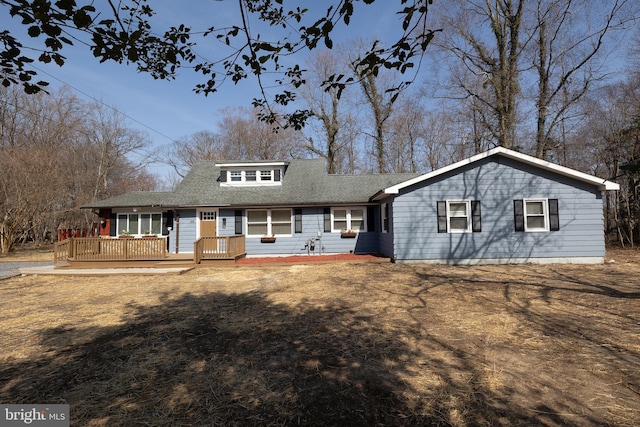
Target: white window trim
140 232
243 182
269 222
348 209
383 216
545 214
468 216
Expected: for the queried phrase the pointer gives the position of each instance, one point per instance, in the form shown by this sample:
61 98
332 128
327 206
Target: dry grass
331 344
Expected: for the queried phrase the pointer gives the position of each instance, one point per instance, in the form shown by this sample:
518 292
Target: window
250 177
265 175
139 223
348 219
459 216
208 215
269 222
532 215
384 211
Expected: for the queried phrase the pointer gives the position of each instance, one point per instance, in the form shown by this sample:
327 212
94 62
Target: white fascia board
602 184
248 165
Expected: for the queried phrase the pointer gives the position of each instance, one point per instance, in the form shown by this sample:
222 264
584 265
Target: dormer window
251 174
266 175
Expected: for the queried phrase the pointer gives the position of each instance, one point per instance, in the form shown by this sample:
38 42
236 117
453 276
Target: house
499 206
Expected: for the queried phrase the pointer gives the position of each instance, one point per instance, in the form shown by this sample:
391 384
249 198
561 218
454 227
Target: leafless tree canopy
57 153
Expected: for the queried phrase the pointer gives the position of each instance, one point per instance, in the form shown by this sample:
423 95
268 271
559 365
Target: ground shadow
240 359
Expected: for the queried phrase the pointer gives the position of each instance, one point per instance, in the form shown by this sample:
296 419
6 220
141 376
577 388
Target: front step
174 264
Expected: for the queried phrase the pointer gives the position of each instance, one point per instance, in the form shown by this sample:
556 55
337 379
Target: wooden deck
96 252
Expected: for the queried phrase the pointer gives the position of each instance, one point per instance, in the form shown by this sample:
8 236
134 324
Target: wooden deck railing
228 247
100 249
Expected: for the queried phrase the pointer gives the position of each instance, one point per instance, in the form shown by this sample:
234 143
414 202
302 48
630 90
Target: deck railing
109 249
228 247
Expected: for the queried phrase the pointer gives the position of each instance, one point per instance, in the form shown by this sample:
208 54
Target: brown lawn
341 343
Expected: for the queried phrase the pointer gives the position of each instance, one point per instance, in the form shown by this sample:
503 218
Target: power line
104 104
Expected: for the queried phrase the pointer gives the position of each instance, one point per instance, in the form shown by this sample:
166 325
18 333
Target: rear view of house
496 207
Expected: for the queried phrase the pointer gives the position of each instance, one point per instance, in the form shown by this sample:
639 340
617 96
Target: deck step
172 264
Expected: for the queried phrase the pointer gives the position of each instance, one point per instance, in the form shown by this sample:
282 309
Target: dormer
251 174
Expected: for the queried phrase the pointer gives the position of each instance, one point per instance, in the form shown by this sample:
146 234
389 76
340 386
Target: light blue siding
227 222
496 182
187 230
312 229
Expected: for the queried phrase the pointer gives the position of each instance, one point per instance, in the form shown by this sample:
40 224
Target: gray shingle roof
305 182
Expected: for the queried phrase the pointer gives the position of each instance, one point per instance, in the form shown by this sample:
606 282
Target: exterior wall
496 182
104 226
312 229
185 229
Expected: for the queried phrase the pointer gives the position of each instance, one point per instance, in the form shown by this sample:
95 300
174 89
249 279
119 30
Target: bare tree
324 107
247 137
186 152
486 36
568 37
125 32
609 144
57 153
406 130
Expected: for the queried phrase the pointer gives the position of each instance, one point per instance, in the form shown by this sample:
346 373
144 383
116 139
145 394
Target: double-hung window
532 215
269 222
459 216
349 219
266 175
139 223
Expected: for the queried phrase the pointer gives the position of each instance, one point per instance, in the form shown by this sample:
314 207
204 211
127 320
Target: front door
208 223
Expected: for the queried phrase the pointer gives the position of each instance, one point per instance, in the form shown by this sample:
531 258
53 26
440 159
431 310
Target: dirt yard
340 343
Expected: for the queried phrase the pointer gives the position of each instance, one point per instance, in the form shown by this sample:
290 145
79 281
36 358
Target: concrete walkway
49 270
12 268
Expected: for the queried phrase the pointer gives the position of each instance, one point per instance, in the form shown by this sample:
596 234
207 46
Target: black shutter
518 214
442 216
297 213
276 175
476 221
223 176
168 222
112 225
371 216
238 221
327 220
554 218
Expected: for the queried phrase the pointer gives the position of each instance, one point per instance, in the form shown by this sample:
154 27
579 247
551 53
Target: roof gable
602 184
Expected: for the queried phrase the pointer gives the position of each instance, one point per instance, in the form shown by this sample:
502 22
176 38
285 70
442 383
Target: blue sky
169 110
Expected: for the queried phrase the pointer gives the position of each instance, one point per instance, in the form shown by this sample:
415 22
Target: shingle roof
305 182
